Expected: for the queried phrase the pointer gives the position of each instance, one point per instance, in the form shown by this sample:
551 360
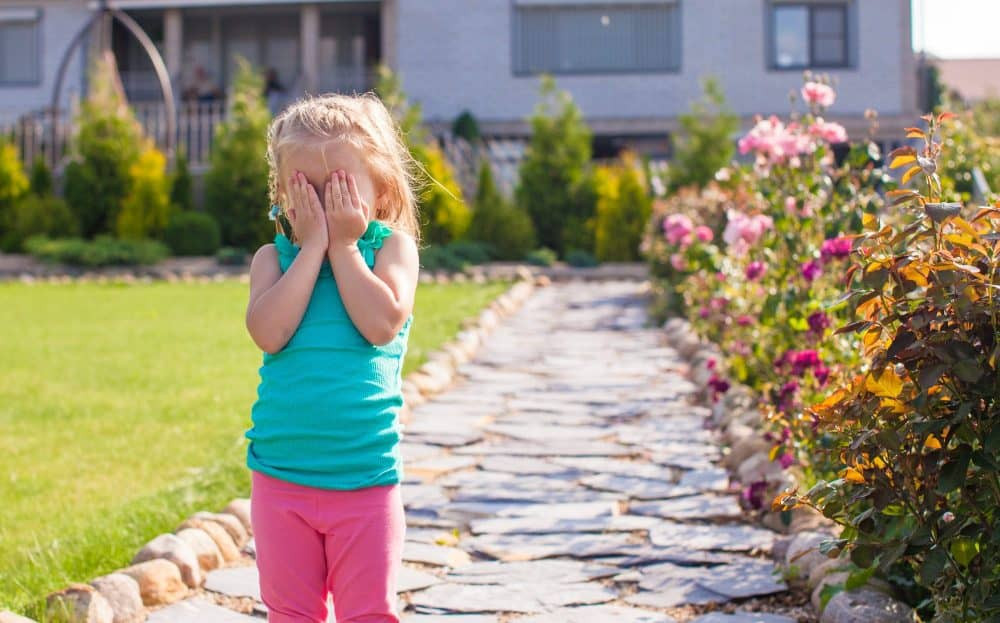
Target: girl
331 309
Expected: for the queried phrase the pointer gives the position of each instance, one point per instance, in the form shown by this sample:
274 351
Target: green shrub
192 233
13 183
231 256
41 177
553 173
541 257
705 142
444 215
507 228
581 259
466 126
917 430
472 252
106 143
145 210
181 184
236 182
623 209
35 215
441 258
101 251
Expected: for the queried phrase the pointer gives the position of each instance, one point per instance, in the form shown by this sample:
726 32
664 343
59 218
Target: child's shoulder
265 259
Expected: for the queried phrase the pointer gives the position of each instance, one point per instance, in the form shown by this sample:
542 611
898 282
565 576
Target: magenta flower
819 93
677 228
755 270
703 313
822 374
811 270
835 248
704 233
718 385
753 494
818 322
744 320
743 230
804 360
786 460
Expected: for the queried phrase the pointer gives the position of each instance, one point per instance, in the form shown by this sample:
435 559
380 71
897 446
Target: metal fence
32 133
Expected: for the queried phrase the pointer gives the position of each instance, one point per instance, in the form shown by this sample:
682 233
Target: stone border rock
741 424
170 566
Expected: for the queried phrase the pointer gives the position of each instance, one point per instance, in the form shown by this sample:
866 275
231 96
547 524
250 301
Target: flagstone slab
429 496
549 525
620 467
523 598
449 618
540 432
708 479
637 488
536 496
599 614
674 596
198 610
691 507
735 538
434 467
522 465
512 547
644 554
437 555
529 572
745 579
413 580
234 581
743 617
550 448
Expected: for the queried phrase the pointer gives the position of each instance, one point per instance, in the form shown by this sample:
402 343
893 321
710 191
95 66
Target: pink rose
678 262
828 131
755 270
677 228
819 93
704 233
811 270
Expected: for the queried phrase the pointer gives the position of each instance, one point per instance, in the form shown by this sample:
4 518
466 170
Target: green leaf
952 475
933 566
859 578
863 555
964 549
985 461
832 547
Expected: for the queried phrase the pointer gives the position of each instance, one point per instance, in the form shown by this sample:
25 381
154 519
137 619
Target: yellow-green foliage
444 216
13 181
623 208
146 209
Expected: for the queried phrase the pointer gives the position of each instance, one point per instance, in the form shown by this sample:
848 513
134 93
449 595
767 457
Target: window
19 46
596 38
809 35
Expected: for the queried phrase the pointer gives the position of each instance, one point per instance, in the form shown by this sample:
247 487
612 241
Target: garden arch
162 76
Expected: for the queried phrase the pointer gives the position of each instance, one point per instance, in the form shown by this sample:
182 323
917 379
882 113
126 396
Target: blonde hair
363 121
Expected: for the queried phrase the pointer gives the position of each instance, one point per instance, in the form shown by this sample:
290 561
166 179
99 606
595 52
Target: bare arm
278 301
378 301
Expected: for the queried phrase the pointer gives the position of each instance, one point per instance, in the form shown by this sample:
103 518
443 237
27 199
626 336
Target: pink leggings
313 542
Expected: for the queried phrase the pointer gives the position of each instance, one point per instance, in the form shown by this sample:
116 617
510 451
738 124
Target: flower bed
861 311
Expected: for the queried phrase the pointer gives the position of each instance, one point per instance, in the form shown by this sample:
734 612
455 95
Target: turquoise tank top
327 409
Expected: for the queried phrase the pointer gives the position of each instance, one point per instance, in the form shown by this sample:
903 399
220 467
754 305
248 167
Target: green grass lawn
122 411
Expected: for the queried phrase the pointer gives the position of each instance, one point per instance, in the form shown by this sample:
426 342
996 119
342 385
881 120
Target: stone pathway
565 479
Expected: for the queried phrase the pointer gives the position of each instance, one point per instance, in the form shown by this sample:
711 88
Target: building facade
632 65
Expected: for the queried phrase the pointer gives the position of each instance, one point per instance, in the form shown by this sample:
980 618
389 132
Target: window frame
519 5
845 8
32 16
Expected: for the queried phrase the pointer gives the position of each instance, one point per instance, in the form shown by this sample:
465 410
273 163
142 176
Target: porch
301 47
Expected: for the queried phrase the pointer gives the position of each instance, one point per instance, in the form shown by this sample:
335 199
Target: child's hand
346 214
305 213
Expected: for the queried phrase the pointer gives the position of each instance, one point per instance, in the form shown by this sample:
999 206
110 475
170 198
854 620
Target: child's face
318 161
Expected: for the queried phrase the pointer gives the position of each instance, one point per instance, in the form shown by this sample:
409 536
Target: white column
173 43
309 25
390 33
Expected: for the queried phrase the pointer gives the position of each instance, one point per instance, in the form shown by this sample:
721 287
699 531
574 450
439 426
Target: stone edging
741 424
172 565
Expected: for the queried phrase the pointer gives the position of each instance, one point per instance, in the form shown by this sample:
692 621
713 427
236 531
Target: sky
957 28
